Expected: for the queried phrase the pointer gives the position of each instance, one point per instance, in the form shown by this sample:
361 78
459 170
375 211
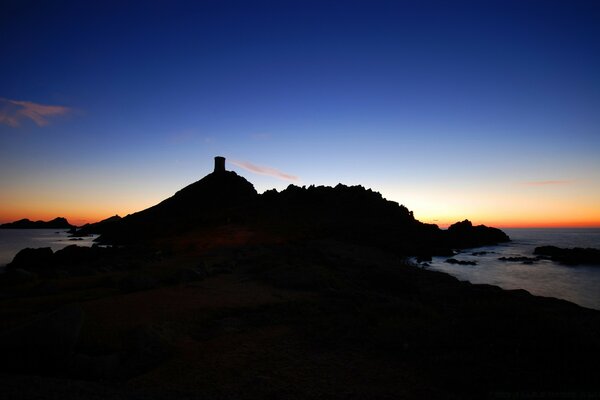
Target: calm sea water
578 284
13 240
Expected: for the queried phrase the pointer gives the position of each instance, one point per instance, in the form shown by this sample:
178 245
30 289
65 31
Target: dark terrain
218 292
56 223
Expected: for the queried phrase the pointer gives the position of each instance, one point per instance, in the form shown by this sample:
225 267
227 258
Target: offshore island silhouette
221 292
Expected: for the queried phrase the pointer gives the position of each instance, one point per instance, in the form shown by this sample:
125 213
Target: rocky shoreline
293 320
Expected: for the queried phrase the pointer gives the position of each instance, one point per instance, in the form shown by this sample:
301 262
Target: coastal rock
460 262
56 223
523 259
75 255
96 227
574 256
31 258
464 234
353 214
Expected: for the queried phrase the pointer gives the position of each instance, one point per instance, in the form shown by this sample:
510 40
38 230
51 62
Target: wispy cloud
12 112
257 169
547 183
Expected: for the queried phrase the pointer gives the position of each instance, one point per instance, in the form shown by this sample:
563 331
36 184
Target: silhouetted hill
56 223
349 213
96 227
219 197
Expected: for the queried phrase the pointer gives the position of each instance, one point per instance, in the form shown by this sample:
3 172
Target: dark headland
56 223
219 292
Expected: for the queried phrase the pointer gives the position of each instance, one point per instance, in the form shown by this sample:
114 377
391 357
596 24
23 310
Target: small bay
578 284
14 240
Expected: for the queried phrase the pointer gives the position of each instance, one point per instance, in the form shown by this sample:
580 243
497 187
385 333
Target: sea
13 240
578 284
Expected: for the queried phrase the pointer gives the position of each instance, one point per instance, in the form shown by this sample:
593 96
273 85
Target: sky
486 110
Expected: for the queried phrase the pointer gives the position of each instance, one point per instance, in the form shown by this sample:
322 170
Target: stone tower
219 164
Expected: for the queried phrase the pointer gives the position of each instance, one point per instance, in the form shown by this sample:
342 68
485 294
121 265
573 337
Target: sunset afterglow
485 111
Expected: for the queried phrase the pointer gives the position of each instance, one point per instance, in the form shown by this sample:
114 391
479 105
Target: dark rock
349 213
57 223
44 345
96 227
525 260
460 262
218 197
574 256
75 255
32 258
464 234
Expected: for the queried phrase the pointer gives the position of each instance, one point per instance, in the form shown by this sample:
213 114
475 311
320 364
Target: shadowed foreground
301 320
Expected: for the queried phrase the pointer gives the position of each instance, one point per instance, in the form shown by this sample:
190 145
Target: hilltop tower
219 164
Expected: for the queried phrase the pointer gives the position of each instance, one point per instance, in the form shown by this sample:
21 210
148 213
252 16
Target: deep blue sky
488 110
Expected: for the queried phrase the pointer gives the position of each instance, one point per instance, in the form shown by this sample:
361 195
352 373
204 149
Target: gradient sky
487 110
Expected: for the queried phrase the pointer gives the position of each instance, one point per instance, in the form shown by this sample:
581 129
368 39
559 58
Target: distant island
56 223
311 292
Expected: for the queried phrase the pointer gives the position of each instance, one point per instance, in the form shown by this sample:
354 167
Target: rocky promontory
574 256
56 223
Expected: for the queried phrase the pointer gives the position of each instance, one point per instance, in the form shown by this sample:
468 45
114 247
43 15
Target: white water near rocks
578 284
13 240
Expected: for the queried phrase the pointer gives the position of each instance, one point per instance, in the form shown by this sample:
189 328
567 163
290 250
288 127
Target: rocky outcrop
29 259
574 256
349 213
56 223
97 228
464 234
460 262
72 260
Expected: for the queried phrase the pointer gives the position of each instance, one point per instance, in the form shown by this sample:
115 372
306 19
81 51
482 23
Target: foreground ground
246 318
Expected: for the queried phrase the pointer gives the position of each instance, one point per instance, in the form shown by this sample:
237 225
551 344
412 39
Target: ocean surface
578 284
13 240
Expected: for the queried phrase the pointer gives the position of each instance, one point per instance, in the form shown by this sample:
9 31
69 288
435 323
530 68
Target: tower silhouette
219 164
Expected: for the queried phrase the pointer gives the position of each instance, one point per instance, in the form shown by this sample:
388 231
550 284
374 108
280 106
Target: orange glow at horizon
443 206
81 216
